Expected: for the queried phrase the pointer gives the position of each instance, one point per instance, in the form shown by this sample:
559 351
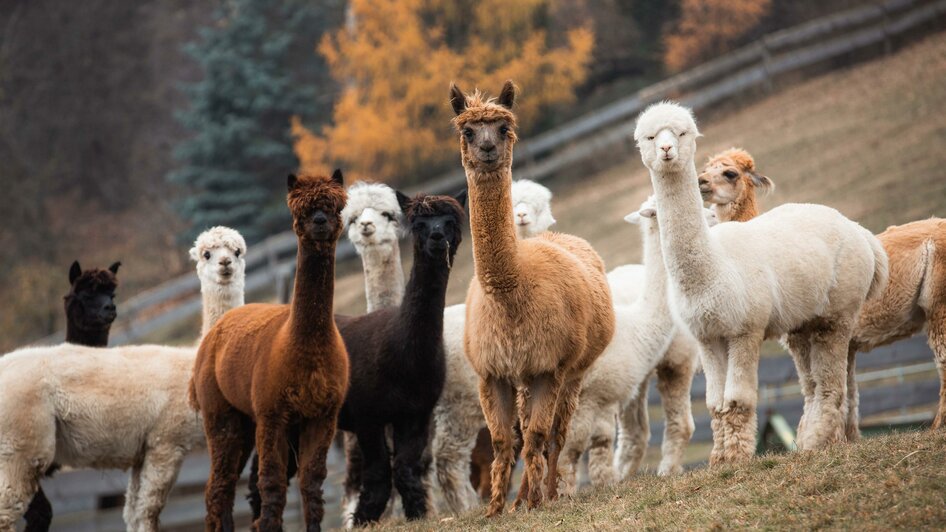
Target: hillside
868 140
890 482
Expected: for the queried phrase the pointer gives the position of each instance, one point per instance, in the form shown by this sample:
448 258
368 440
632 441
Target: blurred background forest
128 127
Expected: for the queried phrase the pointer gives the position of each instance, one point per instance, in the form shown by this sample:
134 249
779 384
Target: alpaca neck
384 277
495 247
741 210
91 338
310 314
654 297
691 261
425 294
217 300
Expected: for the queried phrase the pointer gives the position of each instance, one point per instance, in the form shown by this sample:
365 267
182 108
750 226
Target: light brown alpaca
538 311
914 297
729 181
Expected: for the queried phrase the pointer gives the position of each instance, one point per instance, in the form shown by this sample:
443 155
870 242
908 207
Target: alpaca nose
367 224
666 148
110 307
703 182
488 147
320 218
521 215
225 261
436 237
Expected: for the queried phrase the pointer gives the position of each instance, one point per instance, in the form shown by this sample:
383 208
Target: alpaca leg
353 466
229 432
579 439
314 442
19 481
375 476
852 429
937 339
524 409
480 460
601 450
272 444
740 398
158 473
715 359
633 433
39 514
799 345
454 438
410 440
541 405
673 383
498 400
129 511
829 369
566 403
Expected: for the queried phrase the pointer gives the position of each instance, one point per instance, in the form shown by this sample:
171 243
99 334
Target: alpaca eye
503 130
730 174
683 133
389 216
468 133
237 253
650 137
207 255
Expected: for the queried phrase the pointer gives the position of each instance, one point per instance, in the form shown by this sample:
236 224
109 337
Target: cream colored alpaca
105 408
618 379
799 271
538 310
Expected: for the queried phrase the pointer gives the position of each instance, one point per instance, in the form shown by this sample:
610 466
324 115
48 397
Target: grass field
889 482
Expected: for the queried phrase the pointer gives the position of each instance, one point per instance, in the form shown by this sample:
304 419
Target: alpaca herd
550 352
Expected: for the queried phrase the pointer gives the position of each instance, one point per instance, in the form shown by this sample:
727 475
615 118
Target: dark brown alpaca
276 370
90 311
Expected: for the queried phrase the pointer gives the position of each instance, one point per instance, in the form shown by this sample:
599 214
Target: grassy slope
869 141
893 481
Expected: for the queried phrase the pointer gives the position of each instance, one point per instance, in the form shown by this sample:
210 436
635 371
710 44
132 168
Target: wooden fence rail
271 262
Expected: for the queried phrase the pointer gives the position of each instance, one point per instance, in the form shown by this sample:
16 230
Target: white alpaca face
531 207
220 256
372 228
666 137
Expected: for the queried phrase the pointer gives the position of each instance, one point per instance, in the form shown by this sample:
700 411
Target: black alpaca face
90 304
436 222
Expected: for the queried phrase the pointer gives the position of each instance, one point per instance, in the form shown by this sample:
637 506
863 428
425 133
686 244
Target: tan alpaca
538 311
729 181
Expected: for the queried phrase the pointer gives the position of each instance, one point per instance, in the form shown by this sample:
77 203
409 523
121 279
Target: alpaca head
729 176
316 204
532 209
220 254
666 136
436 223
487 127
90 303
372 215
647 214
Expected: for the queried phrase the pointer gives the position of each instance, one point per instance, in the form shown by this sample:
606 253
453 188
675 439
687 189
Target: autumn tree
395 60
708 28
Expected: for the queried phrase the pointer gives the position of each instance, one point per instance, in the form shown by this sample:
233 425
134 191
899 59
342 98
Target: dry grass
889 482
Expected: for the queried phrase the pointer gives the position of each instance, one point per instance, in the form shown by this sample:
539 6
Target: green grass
890 482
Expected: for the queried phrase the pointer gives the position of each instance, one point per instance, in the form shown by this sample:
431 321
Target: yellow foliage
396 61
707 28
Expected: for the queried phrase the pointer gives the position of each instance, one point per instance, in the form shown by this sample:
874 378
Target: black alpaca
397 366
90 311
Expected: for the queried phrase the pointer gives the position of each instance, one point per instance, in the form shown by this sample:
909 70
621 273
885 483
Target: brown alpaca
538 310
914 297
729 181
277 369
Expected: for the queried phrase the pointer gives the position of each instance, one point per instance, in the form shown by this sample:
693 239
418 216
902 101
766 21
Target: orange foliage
392 119
707 28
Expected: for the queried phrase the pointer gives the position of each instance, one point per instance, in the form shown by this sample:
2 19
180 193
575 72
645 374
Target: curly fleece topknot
479 108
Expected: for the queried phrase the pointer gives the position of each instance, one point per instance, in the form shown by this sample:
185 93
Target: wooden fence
271 263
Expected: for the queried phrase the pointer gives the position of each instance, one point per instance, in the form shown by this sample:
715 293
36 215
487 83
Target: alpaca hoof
937 422
494 509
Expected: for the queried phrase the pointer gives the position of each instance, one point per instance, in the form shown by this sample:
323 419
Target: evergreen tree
234 164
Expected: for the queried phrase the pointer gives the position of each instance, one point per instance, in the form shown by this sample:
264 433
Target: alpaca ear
457 99
338 177
764 184
114 267
461 198
195 254
291 182
74 272
648 213
508 95
633 218
403 200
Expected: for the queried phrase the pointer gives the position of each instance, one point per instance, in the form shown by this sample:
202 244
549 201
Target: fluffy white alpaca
372 215
801 272
104 408
616 385
532 208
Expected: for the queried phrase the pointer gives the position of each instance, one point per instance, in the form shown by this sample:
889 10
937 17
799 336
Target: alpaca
461 446
729 182
616 385
801 272
538 311
122 407
90 311
90 305
272 370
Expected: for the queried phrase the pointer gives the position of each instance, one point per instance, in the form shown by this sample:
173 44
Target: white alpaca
105 408
801 272
531 207
616 385
372 216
